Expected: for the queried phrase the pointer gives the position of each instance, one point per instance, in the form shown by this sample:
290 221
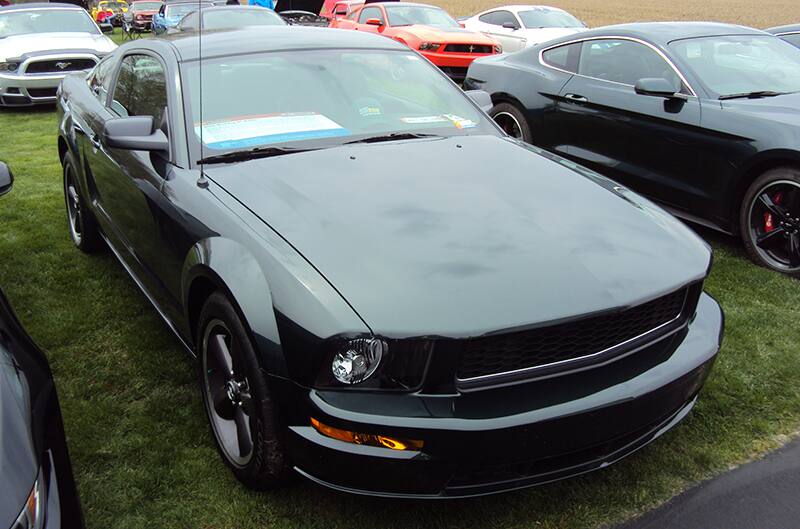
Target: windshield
548 18
146 6
324 98
237 18
179 10
406 15
742 64
46 20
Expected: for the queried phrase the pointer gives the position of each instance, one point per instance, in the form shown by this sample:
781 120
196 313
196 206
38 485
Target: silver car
40 44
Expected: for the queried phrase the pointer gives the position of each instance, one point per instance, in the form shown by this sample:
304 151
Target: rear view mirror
134 134
480 98
6 179
374 22
659 87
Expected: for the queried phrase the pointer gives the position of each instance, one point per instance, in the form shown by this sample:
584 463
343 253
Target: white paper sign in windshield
274 128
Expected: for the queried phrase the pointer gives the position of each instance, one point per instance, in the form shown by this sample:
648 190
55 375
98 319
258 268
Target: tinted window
498 18
623 61
793 39
564 57
141 88
549 18
371 12
239 18
189 22
100 80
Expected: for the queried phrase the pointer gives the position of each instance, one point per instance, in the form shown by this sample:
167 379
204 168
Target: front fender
232 268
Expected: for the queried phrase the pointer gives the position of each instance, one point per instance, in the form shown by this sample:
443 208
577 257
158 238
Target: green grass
142 452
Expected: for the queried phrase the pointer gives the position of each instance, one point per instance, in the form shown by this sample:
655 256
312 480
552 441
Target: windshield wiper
752 95
251 154
393 137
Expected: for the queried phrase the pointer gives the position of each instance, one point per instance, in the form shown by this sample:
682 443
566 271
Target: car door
502 25
652 144
127 183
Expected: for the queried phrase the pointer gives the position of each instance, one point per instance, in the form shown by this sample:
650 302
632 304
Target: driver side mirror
659 87
374 22
6 179
510 25
135 133
480 98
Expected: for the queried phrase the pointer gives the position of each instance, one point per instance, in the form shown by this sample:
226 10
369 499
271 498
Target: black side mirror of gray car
6 179
481 98
659 87
135 133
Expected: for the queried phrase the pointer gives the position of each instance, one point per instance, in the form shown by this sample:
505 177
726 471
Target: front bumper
507 438
455 65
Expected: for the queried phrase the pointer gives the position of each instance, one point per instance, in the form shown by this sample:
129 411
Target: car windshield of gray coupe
325 98
46 20
549 18
738 65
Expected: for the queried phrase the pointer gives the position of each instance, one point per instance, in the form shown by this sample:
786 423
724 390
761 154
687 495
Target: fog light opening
381 441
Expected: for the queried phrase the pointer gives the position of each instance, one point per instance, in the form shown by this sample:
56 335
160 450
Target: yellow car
105 8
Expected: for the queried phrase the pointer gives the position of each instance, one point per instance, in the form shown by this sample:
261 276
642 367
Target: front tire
769 220
83 228
243 417
512 121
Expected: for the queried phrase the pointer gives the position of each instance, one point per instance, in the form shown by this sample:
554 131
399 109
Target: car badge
471 48
63 65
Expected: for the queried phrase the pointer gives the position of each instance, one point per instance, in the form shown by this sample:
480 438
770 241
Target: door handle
576 98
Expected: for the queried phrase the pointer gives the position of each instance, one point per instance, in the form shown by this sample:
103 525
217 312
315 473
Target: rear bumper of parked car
500 439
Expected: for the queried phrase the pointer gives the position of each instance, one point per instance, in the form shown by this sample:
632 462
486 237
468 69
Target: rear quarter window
564 57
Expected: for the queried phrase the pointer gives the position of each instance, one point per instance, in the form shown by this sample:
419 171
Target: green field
144 456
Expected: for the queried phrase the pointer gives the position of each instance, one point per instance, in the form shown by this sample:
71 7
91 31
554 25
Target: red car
428 29
140 15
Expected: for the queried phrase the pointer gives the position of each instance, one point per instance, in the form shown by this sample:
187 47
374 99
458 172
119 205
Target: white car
40 44
520 26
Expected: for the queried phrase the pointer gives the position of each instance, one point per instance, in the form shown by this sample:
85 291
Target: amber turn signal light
365 438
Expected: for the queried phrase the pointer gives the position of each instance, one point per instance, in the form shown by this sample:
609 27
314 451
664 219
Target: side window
792 38
498 18
370 12
141 88
100 80
563 57
190 22
623 61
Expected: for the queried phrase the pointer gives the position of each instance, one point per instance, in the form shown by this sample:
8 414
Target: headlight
9 66
498 48
429 46
373 363
32 515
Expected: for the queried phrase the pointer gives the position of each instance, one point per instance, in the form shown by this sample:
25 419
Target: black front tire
83 228
264 463
512 121
769 220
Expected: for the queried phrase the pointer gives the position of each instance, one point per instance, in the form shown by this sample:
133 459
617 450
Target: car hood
784 108
539 35
20 45
446 35
462 236
18 462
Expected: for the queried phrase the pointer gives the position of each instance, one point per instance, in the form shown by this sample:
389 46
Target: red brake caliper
768 225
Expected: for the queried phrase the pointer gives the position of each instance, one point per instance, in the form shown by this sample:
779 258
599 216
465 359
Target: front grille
468 48
42 92
60 66
558 343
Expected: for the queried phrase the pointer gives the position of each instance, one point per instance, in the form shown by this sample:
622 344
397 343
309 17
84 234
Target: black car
228 17
383 292
790 33
703 118
37 490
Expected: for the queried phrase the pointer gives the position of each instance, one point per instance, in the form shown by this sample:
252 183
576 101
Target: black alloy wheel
83 229
512 121
239 406
771 220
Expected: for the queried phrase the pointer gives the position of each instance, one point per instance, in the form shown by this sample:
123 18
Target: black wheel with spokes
512 121
770 220
83 228
240 410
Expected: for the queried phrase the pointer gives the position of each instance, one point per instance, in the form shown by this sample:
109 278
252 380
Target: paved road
764 494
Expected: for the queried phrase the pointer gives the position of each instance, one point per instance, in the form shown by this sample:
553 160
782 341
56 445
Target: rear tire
83 228
243 417
511 119
769 220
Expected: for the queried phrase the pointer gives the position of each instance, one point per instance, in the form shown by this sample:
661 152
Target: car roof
788 28
516 8
665 32
38 5
242 41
